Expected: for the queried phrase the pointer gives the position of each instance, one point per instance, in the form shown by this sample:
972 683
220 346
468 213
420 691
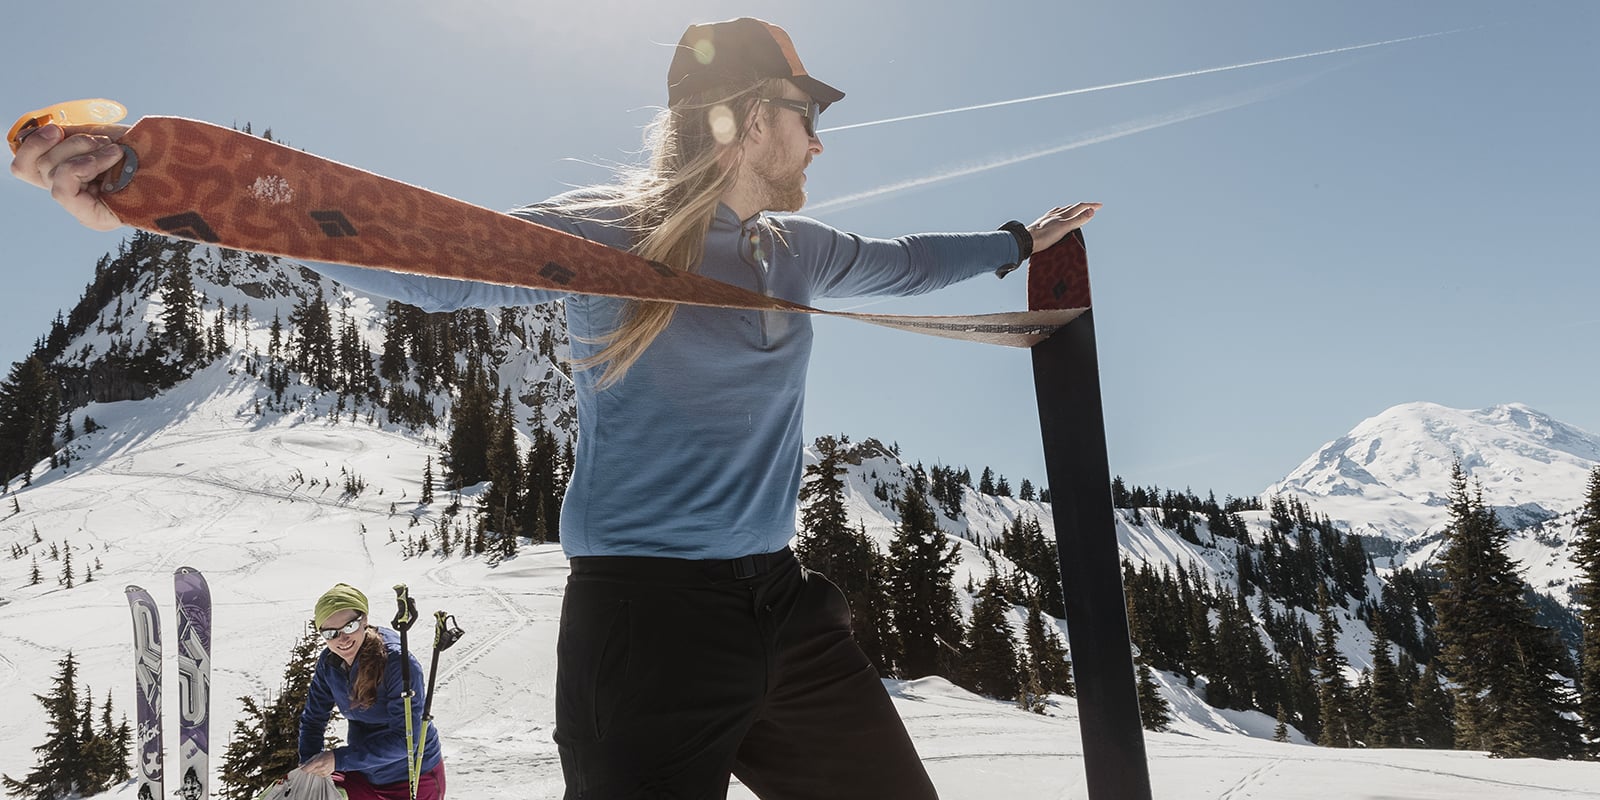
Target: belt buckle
744 567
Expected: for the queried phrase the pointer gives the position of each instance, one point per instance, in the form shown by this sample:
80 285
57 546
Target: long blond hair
669 205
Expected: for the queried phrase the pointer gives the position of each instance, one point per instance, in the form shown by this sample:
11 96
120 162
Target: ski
1066 376
147 693
215 185
194 683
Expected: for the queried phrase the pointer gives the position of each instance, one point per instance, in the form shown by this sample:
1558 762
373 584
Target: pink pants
429 787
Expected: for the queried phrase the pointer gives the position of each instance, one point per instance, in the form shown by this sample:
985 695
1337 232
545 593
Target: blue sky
1285 250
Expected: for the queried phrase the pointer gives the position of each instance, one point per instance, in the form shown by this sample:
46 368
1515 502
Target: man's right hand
69 168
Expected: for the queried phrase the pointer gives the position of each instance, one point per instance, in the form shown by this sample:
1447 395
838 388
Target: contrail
1140 81
1083 140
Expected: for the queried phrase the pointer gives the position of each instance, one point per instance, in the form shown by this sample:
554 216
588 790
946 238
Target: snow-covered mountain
1390 475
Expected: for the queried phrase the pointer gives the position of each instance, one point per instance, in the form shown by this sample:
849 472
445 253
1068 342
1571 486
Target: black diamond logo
334 225
558 273
1059 289
188 225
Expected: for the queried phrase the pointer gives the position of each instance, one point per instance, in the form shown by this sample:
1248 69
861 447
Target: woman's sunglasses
350 627
808 110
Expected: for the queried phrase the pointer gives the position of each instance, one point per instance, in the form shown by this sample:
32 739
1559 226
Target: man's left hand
1059 222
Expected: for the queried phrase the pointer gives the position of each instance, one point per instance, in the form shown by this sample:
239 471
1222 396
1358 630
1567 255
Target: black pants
674 674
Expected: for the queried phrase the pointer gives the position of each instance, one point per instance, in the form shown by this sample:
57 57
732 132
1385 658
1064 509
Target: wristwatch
1024 246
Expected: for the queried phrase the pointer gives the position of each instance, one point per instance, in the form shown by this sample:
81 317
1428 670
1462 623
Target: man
692 644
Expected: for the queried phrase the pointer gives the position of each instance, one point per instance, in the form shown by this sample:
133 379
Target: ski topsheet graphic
194 683
215 185
147 752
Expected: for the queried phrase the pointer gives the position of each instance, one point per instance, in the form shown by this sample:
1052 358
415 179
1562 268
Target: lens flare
705 51
720 118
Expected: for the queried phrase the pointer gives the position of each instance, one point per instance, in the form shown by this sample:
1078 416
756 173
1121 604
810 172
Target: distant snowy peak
1530 465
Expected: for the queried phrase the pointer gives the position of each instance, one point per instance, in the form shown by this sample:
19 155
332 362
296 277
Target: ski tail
194 683
147 693
1066 376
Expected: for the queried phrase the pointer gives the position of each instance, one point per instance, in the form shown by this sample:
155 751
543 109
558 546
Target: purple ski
147 690
194 683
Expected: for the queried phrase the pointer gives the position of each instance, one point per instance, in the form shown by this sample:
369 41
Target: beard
784 184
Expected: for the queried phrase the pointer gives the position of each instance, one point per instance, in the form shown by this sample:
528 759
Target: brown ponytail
369 670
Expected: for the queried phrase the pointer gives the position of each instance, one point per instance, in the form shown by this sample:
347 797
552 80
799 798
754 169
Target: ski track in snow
1244 788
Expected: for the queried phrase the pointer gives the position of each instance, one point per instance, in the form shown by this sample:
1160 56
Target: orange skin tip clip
96 111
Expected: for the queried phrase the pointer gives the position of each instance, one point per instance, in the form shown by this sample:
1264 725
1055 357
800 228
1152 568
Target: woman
360 673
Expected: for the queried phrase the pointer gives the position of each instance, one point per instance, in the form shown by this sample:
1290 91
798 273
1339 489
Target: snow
198 477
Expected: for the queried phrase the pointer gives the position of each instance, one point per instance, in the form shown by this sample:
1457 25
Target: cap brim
824 94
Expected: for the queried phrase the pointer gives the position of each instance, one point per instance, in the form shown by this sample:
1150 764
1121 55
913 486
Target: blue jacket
376 738
697 452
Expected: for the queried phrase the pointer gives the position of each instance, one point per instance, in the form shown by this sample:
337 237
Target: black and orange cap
737 51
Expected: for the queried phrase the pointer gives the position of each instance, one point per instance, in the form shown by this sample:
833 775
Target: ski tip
93 111
188 575
134 589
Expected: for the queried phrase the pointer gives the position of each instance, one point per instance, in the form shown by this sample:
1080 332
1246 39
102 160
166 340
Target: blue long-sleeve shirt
376 739
697 452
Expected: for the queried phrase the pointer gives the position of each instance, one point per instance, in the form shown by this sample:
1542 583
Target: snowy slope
196 477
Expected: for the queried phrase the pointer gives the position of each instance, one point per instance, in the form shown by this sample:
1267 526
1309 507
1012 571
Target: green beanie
342 597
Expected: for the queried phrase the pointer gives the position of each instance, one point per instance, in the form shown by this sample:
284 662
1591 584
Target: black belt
717 570
748 566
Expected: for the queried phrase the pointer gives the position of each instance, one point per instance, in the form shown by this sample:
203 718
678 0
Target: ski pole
445 633
403 619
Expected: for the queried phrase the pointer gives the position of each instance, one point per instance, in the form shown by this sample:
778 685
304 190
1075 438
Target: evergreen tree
105 751
828 544
1302 691
1024 543
1434 715
61 769
1390 710
922 595
66 569
315 351
1334 693
1048 664
990 663
1586 554
545 473
30 414
266 738
1241 660
1154 711
427 482
471 426
1509 700
503 501
277 371
180 313
392 363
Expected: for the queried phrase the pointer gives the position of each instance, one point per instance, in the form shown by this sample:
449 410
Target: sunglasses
350 627
808 110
